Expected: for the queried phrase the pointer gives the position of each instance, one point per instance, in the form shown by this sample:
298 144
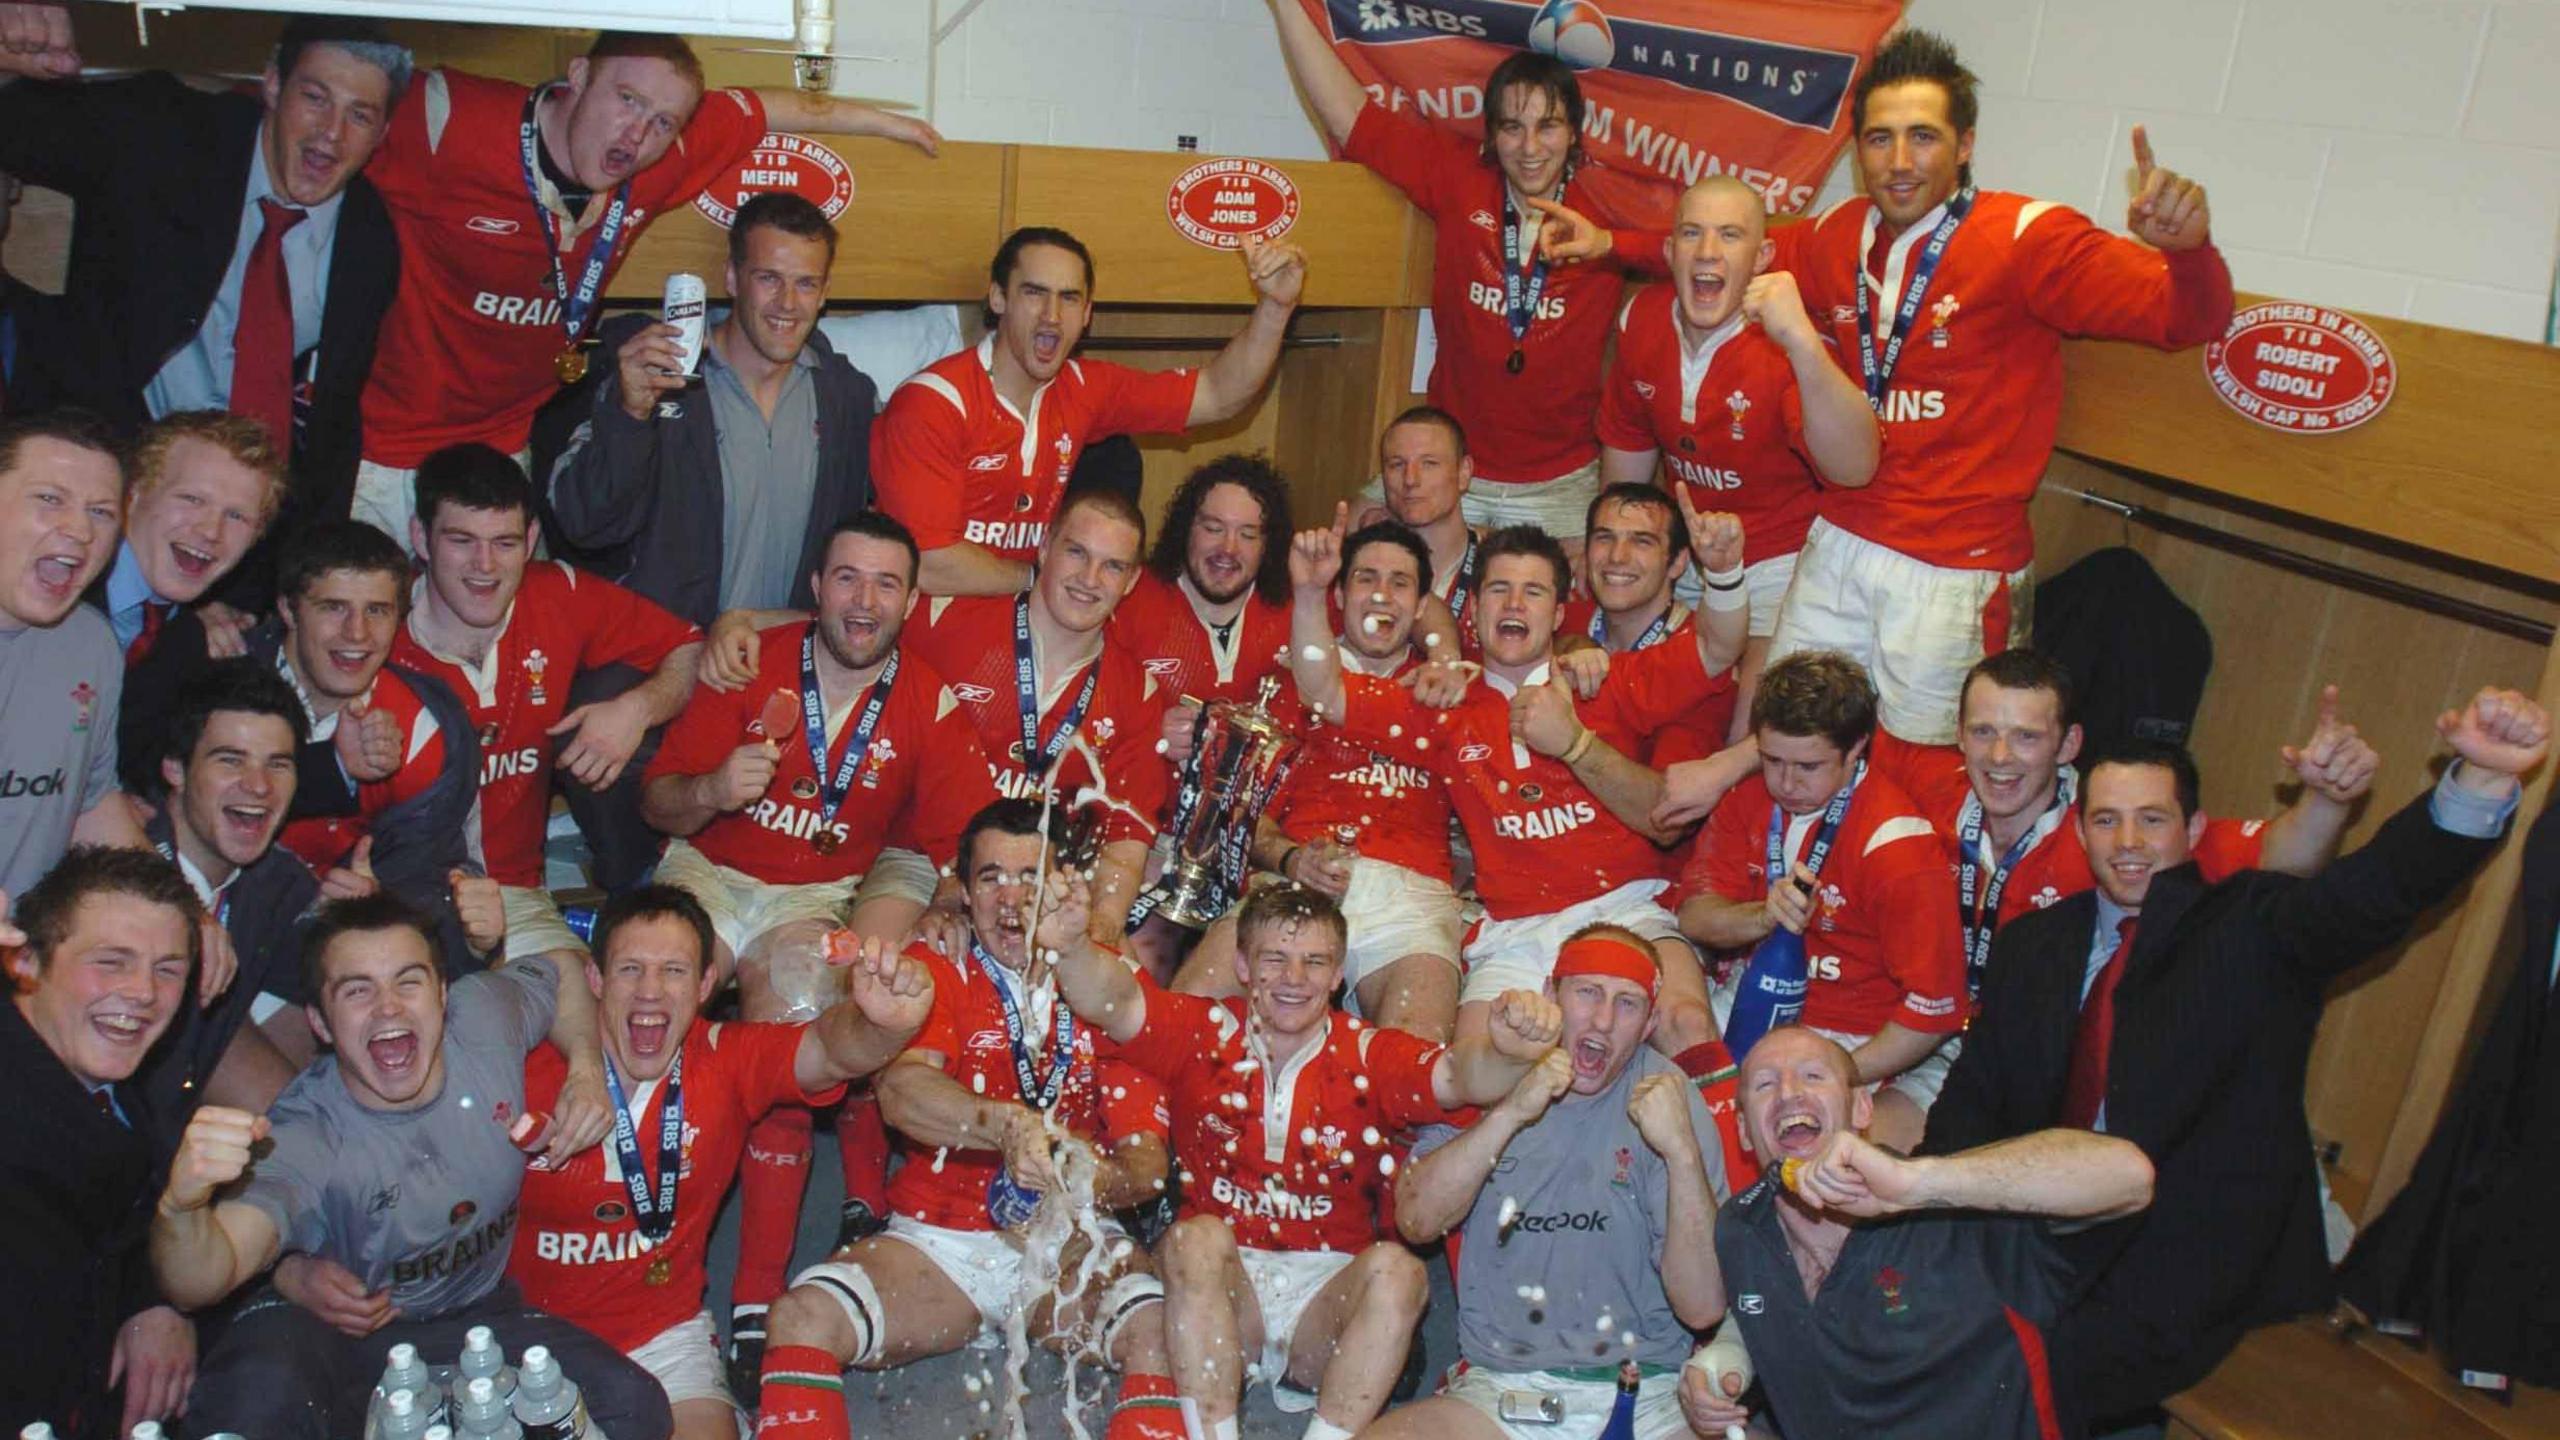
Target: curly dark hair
1270 489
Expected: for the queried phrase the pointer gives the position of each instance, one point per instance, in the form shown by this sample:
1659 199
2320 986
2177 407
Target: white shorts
387 499
535 925
985 1265
1284 1283
1587 1403
1520 954
1557 506
1917 627
1920 1084
1391 912
1764 582
685 1359
741 906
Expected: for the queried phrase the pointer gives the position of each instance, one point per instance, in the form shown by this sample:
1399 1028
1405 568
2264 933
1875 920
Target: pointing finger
2142 162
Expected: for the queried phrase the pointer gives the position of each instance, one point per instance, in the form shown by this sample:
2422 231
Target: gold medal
825 842
661 1270
570 365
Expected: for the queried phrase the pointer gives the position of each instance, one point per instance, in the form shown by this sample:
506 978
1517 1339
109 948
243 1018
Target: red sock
775 1175
1720 1085
863 1143
1148 1410
803 1394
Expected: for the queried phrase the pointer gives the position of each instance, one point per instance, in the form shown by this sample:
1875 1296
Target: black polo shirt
1930 1324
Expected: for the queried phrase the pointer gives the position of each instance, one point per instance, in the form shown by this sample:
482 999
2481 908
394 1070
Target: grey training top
1586 1200
768 476
422 1200
59 687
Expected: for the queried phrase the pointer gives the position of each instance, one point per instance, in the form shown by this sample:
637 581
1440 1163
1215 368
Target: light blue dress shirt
127 594
198 376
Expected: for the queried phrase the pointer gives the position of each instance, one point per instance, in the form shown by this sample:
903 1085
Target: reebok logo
1593 1221
14 786
491 225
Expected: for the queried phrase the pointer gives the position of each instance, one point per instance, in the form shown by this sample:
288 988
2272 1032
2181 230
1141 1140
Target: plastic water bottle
581 920
483 1413
1622 1412
483 1360
37 1431
1771 993
402 1417
547 1405
439 1432
146 1430
403 1370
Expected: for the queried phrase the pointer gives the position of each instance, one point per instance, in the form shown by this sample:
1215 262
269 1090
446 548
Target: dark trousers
621 847
279 1372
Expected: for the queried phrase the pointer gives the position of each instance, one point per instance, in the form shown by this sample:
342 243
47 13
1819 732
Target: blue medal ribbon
1651 637
1037 757
1038 1091
1823 834
813 727
575 305
1978 904
1879 373
655 1217
1519 297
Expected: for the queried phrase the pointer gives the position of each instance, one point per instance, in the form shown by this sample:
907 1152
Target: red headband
1609 955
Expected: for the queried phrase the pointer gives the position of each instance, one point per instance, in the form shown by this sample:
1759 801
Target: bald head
1798 1087
1719 240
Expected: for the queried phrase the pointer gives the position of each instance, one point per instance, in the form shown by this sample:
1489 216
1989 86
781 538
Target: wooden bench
2307 1381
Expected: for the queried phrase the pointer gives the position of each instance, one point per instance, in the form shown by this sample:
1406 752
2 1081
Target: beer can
685 301
1010 1205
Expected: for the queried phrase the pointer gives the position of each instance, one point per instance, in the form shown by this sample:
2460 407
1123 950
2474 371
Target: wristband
1723 589
1581 743
1282 869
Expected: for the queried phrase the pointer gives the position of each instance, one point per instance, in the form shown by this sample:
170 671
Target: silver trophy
1239 756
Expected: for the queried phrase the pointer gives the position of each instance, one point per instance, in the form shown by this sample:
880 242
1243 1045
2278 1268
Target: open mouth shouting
1590 1057
1046 346
1798 1129
646 1032
194 564
244 827
60 573
394 1053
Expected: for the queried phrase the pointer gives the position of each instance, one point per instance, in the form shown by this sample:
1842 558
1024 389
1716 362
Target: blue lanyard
1519 298
1822 835
1463 589
1038 1091
1982 919
1651 637
813 725
1880 373
576 305
657 1217
1036 757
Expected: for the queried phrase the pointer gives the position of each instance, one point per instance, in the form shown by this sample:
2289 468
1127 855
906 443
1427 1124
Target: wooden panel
2278 638
2460 463
918 229
2299 1382
1328 437
1354 227
1168 458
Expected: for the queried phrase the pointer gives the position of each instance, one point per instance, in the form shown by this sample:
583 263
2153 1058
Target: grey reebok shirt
422 1200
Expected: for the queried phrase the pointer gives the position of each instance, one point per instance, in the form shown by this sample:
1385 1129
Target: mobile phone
1530 1407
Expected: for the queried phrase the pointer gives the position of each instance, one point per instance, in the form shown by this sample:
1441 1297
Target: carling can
685 302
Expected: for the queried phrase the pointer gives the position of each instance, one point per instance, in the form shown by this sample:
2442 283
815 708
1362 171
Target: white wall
2396 157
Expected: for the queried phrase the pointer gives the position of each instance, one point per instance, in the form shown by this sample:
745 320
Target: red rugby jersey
918 785
564 621
1735 442
1542 841
1537 424
954 461
1392 809
468 345
1697 733
1883 946
1159 624
970 639
578 1252
1294 1157
1969 424
1101 1101
326 841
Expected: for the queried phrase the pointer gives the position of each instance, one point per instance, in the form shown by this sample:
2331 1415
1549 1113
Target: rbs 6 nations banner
1673 90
